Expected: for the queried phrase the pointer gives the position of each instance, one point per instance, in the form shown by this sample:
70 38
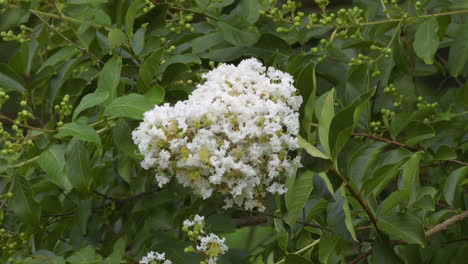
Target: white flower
231 136
213 247
155 258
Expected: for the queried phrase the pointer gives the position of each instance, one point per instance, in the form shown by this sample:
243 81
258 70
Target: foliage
383 135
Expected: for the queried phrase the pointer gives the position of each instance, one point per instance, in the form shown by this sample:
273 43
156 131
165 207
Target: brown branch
26 125
358 197
447 223
395 143
360 257
250 221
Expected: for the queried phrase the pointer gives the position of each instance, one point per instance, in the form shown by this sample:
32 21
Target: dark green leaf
339 216
10 80
458 55
453 184
298 194
52 161
116 38
132 106
395 198
296 259
79 165
23 203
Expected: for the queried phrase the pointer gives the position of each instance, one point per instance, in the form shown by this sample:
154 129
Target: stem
24 163
26 125
358 197
311 245
178 8
445 224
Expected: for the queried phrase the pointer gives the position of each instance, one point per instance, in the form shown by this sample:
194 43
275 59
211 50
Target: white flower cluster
155 258
210 246
231 136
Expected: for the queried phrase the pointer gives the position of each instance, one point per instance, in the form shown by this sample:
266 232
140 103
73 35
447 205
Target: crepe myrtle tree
233 131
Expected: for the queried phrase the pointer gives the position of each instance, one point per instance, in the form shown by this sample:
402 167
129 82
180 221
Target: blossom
155 258
213 247
231 136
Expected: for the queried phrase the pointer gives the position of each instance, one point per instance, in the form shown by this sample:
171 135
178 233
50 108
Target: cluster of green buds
418 5
79 70
24 114
3 97
386 51
11 242
397 97
63 109
392 8
422 104
361 59
183 24
148 6
376 126
22 37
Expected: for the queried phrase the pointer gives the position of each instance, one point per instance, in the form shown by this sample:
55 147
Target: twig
395 143
311 245
26 125
250 221
65 38
360 257
445 224
358 197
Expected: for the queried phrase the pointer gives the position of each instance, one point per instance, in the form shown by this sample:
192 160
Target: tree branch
447 223
358 197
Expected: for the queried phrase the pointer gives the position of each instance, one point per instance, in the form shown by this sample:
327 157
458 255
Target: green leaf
150 65
138 41
452 185
410 177
173 72
52 161
79 165
109 77
21 62
10 80
323 186
417 132
401 120
362 159
328 244
62 55
86 255
325 111
206 42
404 226
79 131
238 32
458 55
339 216
130 15
132 106
184 58
296 259
116 38
395 198
298 194
122 135
426 40
85 2
23 203
383 251
344 122
118 252
312 150
89 101
445 153
248 10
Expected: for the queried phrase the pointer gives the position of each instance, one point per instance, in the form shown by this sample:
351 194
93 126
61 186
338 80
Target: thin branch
360 257
65 38
250 221
395 143
26 125
358 197
445 224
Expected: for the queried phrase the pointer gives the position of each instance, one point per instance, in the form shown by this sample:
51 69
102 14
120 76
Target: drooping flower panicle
155 258
232 135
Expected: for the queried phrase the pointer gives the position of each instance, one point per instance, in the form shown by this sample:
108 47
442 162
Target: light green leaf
150 65
325 111
132 106
109 77
452 185
458 55
116 38
10 80
52 161
130 15
395 198
445 153
62 55
404 226
138 41
206 42
122 135
426 40
409 179
296 259
79 131
89 101
328 244
86 255
312 150
401 120
79 165
297 195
